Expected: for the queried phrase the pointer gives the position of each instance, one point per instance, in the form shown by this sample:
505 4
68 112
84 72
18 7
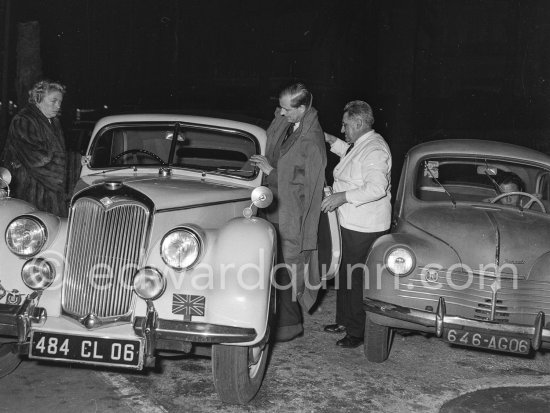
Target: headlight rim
195 234
161 276
392 249
34 260
43 228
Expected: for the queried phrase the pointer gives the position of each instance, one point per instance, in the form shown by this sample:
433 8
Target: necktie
289 131
349 148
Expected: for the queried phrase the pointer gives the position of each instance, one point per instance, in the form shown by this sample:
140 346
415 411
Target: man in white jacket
361 193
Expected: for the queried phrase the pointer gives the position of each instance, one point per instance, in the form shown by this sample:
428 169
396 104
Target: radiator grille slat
103 254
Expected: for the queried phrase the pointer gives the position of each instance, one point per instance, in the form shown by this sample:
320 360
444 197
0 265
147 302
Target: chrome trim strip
158 211
195 332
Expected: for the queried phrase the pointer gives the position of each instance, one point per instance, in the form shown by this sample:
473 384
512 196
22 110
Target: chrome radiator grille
103 253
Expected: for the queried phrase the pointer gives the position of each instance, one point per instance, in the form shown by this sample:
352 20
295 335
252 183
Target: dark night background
430 69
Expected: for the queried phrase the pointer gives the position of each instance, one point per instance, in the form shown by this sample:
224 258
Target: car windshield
454 179
204 148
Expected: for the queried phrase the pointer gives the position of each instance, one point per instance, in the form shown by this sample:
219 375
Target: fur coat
35 155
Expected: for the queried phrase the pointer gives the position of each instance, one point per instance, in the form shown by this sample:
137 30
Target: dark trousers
289 311
349 294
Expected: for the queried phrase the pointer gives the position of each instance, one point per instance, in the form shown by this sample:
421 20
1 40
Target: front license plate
495 342
88 350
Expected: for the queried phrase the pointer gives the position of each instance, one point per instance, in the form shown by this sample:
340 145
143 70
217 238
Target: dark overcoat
35 155
297 182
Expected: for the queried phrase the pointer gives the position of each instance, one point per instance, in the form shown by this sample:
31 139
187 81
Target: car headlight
181 248
149 283
38 274
400 261
25 236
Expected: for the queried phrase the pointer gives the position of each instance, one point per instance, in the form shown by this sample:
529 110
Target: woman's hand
331 202
261 162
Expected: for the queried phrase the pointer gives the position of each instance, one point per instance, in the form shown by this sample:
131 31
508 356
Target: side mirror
5 179
261 197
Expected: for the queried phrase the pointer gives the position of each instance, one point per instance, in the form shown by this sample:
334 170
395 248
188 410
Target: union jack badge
188 305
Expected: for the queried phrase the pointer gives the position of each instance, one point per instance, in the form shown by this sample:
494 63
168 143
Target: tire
9 360
377 343
238 371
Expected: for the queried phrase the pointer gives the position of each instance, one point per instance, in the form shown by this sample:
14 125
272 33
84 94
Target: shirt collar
364 137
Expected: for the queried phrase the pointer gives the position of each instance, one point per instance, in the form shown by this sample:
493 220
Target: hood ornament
113 185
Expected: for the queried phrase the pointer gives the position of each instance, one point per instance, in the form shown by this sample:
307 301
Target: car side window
543 189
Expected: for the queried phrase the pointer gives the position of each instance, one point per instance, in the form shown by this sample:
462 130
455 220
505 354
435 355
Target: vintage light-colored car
156 255
464 260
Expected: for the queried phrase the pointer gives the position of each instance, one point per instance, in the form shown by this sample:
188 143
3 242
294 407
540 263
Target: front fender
234 276
53 252
12 207
427 251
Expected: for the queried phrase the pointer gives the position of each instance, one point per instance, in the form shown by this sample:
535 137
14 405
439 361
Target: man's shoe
334 328
350 341
287 333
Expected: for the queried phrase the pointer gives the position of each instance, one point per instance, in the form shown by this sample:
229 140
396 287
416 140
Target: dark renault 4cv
468 256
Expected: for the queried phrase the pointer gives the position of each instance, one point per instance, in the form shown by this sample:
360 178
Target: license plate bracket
485 340
45 345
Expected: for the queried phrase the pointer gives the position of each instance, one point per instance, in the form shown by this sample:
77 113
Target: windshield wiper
220 171
440 184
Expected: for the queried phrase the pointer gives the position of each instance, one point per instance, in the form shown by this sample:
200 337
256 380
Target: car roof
469 147
251 127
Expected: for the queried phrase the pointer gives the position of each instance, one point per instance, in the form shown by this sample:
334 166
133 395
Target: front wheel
238 371
377 343
9 359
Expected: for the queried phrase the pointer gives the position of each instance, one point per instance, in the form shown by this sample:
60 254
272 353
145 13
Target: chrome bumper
159 334
163 334
438 320
15 320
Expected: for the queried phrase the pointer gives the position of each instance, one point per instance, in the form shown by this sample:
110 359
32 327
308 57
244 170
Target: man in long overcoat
294 168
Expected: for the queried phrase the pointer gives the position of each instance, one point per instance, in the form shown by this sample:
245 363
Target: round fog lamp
400 261
149 283
38 274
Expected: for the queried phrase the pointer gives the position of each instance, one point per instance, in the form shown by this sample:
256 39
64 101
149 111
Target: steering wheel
134 151
528 205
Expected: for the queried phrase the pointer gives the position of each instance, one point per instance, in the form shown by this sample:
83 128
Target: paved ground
309 374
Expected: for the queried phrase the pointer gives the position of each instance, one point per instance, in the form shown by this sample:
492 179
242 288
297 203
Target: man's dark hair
510 178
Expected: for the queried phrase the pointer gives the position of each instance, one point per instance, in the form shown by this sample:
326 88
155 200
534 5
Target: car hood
176 191
485 236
